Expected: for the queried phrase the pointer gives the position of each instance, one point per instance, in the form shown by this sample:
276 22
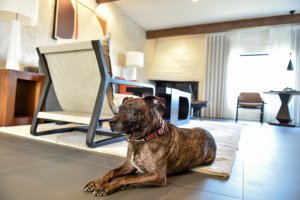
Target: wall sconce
134 59
24 12
290 64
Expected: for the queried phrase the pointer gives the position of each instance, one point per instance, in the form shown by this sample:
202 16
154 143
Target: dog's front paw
104 190
91 186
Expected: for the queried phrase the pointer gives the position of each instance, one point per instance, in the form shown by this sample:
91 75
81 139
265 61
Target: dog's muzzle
111 122
114 125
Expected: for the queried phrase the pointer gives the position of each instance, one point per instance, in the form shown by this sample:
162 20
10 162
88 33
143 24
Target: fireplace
192 87
186 86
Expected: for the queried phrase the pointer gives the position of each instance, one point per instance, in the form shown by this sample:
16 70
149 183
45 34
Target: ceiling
162 14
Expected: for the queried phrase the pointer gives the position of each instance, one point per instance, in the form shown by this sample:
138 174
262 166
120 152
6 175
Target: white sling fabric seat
75 77
80 73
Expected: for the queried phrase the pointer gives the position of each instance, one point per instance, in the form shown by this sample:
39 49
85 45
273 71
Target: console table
178 105
283 115
19 95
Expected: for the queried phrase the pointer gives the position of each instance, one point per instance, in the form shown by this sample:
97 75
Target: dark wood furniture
19 96
178 105
221 26
283 116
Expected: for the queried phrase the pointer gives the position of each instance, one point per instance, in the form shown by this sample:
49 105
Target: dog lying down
155 149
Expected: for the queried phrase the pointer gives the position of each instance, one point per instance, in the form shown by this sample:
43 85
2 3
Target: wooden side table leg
8 98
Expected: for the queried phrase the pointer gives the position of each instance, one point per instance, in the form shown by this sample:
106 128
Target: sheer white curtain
281 48
216 74
233 71
251 60
249 67
296 62
263 69
280 56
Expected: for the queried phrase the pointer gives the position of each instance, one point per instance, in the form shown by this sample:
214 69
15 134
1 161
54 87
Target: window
258 73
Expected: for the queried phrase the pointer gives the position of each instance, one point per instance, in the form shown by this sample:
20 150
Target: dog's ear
156 102
126 98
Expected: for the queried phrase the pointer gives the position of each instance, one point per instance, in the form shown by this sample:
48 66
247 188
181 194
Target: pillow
118 98
106 49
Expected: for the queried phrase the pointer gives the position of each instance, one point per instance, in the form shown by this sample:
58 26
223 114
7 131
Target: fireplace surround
186 86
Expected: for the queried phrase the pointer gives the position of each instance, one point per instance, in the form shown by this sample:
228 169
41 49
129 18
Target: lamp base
14 48
130 73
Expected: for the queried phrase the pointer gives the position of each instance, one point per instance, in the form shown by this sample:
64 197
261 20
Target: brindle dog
155 149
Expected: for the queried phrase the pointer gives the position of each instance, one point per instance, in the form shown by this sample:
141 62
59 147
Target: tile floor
267 167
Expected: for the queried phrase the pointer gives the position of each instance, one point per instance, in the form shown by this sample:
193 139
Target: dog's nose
111 122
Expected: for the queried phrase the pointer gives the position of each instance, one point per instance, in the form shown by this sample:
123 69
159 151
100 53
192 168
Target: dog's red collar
158 132
152 135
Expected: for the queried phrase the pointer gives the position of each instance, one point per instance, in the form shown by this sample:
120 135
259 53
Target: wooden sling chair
81 77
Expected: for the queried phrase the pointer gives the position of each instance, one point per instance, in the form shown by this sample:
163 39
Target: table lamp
134 59
17 12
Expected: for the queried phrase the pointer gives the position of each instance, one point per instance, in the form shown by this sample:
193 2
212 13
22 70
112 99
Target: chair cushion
252 97
114 100
250 105
106 48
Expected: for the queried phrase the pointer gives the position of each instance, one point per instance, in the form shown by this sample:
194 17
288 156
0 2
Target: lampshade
134 59
25 11
290 66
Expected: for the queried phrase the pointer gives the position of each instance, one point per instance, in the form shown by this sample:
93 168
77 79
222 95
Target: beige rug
227 136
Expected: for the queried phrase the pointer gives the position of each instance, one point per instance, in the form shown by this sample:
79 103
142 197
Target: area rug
227 136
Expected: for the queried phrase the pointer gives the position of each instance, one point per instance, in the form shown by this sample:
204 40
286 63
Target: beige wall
126 35
178 59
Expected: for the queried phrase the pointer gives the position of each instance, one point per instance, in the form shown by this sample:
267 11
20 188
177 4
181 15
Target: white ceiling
161 14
